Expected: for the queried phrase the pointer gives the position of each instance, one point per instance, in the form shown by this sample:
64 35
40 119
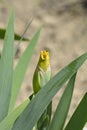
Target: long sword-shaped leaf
33 111
21 68
6 68
79 118
63 107
16 36
9 120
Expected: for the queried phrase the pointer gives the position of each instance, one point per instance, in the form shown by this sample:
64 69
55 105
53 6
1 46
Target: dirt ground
64 34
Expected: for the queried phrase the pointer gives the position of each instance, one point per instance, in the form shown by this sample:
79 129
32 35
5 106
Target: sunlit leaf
21 68
6 68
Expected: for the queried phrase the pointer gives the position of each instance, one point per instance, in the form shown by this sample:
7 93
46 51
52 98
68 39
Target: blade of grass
6 68
22 37
16 37
34 110
63 106
79 118
9 120
21 68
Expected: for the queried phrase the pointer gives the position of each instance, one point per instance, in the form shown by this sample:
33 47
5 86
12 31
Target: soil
64 34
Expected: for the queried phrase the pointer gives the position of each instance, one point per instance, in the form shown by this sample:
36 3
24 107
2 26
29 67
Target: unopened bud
42 73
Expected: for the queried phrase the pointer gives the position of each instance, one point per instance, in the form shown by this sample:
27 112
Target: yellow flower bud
42 73
44 60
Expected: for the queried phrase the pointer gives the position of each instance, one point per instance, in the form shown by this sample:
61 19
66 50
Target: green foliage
79 117
45 95
16 36
26 116
63 106
21 69
6 69
8 121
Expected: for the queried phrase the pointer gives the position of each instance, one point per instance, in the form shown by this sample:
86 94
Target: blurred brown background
64 34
